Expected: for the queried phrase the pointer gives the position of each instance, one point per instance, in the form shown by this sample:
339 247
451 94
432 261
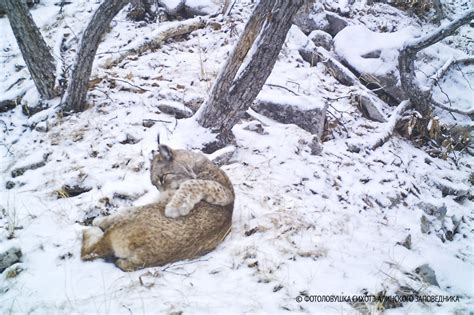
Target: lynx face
168 172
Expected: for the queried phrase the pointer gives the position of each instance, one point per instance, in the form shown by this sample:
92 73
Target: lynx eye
163 178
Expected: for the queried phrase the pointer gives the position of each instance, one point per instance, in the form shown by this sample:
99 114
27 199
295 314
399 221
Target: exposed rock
429 209
316 146
376 61
425 224
256 127
407 242
321 38
9 257
222 156
175 109
311 17
336 23
67 191
200 7
9 184
306 112
370 107
42 126
130 139
31 109
188 9
36 162
449 188
369 103
193 101
7 105
450 227
147 123
427 274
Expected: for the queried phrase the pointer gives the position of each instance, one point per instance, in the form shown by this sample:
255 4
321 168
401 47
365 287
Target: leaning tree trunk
235 89
34 50
78 82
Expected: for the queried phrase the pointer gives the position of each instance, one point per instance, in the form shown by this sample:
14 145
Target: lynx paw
172 211
98 221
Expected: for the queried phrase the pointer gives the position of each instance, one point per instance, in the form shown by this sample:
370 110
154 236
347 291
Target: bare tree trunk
421 99
234 90
78 82
34 50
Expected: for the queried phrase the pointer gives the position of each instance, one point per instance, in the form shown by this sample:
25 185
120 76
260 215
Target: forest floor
304 225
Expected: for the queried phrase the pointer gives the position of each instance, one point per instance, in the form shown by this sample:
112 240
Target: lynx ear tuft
166 152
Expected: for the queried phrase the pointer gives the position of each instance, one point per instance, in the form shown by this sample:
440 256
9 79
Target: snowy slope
303 224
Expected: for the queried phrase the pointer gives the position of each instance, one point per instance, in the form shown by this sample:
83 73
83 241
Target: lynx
192 216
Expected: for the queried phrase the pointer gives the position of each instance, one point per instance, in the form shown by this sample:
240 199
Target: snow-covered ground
303 225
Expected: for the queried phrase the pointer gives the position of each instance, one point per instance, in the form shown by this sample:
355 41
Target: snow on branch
434 79
442 32
390 125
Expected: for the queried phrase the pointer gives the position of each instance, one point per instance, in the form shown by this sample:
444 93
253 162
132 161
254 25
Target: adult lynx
192 216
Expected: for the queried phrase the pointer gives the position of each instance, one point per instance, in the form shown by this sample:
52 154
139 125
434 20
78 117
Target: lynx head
169 169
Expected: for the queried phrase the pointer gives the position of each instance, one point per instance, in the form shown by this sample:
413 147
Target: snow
356 41
325 224
301 102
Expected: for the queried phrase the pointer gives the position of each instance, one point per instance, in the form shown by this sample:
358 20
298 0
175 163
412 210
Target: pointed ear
166 152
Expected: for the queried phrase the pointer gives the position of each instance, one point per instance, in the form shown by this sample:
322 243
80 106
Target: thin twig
282 87
451 109
131 84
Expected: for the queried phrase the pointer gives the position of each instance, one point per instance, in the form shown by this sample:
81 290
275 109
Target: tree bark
34 50
234 91
78 82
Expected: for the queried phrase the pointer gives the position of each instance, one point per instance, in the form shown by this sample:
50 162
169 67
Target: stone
427 274
42 126
310 18
307 113
370 107
322 39
68 191
7 105
188 9
31 162
31 109
9 257
175 109
407 242
147 123
21 170
316 146
425 225
336 23
430 209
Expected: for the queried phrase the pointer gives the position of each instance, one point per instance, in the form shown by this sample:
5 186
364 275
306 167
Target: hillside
336 224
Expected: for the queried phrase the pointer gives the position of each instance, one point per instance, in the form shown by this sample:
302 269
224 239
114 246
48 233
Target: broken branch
389 127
